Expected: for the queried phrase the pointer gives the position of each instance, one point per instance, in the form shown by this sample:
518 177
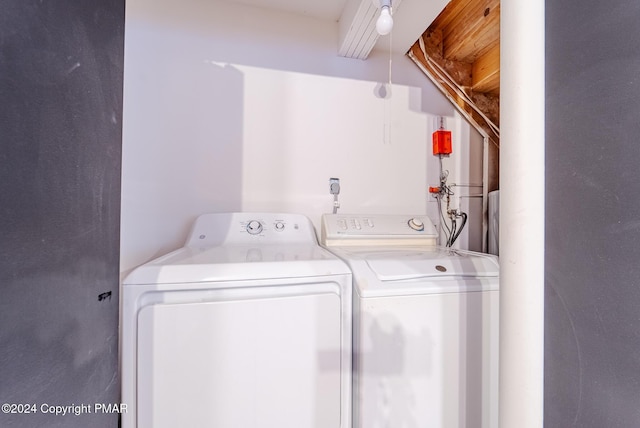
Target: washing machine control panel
249 228
352 229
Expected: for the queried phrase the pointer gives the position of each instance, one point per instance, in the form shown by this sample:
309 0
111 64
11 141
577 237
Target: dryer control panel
376 229
250 228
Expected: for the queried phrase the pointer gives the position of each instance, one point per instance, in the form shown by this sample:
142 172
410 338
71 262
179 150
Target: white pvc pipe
522 213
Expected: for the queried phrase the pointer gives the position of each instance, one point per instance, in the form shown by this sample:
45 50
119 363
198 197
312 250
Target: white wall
229 108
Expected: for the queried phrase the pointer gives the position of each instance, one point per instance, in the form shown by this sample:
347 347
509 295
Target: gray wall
60 138
592 314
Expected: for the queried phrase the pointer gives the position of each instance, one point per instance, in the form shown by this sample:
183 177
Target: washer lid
430 262
238 262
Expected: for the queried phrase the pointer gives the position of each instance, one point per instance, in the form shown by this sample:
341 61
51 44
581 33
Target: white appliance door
258 362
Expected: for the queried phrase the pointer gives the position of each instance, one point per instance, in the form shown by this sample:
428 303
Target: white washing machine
425 324
247 325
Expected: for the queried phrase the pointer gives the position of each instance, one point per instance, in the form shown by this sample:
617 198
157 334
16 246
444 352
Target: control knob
254 227
416 224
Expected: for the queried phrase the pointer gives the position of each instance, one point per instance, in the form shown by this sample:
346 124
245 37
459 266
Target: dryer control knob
254 227
416 224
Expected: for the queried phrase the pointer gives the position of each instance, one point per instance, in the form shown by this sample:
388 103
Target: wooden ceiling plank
487 38
472 30
465 44
471 12
449 13
474 45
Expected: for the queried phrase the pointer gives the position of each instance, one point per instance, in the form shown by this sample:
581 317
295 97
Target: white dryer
425 324
247 325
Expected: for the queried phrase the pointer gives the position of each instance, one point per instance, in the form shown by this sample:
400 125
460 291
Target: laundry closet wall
230 107
592 275
61 66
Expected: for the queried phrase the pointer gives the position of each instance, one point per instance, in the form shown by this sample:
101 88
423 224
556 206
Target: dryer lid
430 263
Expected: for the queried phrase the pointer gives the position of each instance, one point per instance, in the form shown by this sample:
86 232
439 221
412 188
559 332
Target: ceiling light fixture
357 32
384 24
